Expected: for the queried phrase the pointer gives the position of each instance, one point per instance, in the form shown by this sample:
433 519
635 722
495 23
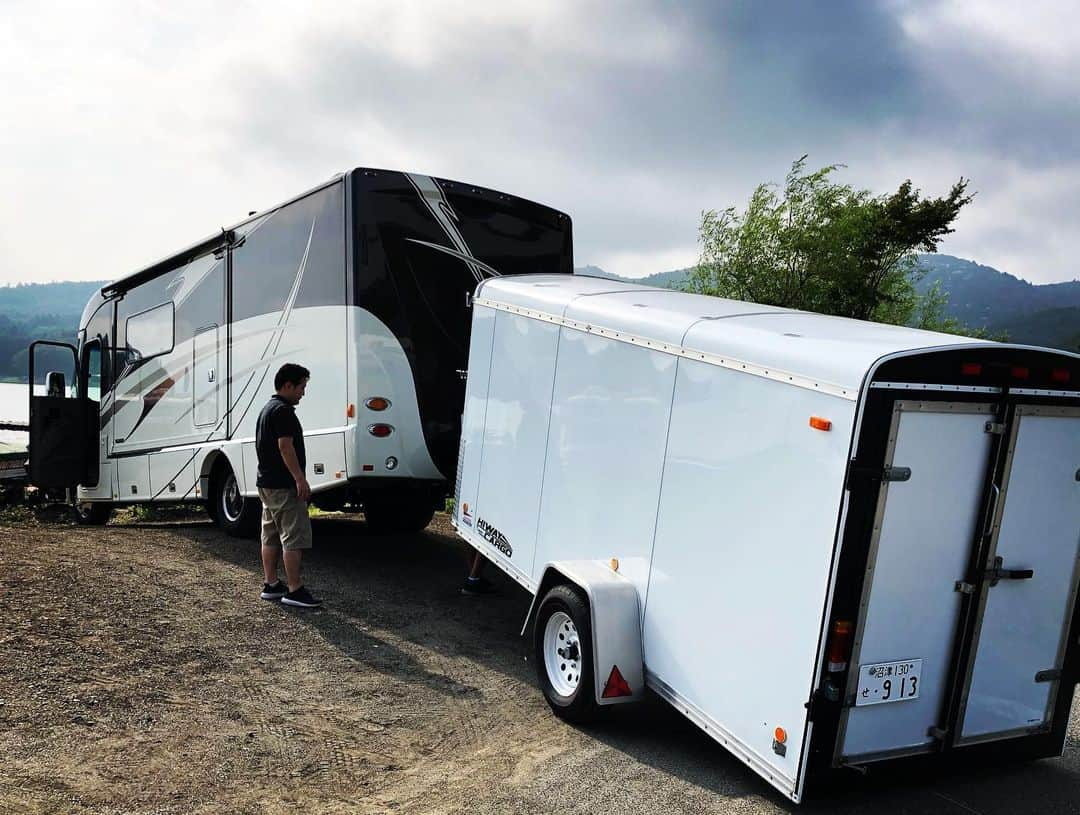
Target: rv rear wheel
398 511
562 644
92 513
236 515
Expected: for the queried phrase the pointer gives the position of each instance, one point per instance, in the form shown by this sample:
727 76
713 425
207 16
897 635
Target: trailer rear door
1030 588
925 523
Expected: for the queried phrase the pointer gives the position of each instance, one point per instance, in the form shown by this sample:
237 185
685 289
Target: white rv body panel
261 345
173 475
673 433
382 369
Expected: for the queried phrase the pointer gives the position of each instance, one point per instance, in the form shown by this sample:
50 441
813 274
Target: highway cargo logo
494 537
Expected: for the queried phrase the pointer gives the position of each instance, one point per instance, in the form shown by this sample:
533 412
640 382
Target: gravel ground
139 672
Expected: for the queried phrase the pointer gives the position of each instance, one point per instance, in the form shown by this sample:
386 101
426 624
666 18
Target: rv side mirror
54 383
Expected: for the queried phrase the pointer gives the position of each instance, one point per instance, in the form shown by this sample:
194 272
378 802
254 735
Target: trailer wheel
91 513
562 643
236 515
398 512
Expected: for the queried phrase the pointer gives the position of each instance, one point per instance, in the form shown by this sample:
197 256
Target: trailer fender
615 618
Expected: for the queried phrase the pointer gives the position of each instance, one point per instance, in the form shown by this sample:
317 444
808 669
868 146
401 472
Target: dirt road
139 672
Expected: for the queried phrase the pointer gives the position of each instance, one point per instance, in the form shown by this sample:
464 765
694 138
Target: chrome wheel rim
562 654
232 502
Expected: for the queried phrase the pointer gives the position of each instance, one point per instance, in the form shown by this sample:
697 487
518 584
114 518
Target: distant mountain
40 311
979 296
662 280
68 298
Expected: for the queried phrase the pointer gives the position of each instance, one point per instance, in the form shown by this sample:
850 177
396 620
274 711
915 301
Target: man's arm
288 455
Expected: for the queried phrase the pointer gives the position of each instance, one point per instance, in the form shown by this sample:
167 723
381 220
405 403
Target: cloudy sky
130 129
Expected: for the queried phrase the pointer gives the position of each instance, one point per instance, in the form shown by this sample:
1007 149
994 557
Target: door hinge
1050 675
997 428
937 733
896 474
963 588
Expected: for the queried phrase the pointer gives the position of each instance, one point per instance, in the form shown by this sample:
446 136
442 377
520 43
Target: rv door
61 436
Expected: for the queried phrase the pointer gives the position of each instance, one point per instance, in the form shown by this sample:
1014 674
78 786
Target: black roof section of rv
227 236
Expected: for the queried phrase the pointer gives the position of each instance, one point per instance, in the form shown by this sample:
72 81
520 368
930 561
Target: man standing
283 488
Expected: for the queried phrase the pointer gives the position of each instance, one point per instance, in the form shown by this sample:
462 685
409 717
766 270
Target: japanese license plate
883 682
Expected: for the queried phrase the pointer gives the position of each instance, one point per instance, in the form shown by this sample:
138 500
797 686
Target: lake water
14 397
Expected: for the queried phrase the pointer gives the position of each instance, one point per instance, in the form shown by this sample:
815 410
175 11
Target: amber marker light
614 564
377 403
780 734
818 423
350 411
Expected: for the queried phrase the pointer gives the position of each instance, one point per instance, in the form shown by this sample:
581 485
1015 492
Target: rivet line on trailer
850 394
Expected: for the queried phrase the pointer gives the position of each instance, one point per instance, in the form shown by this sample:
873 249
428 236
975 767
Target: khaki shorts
285 521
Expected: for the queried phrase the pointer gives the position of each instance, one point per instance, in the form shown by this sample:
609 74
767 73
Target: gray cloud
632 117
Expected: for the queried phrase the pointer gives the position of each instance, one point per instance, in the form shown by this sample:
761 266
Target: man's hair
292 373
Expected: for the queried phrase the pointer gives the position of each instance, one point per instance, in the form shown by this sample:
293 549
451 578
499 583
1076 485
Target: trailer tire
399 512
236 515
562 645
91 513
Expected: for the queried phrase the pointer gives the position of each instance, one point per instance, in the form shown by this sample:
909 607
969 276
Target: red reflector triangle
616 685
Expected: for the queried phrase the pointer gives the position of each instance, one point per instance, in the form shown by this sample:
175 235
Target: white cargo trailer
828 543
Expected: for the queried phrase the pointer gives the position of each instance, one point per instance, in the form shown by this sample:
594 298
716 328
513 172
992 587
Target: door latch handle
988 522
1000 573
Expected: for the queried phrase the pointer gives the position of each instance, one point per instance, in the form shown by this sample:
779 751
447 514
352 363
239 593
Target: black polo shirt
277 419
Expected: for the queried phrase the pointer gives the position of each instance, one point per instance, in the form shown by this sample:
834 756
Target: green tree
823 246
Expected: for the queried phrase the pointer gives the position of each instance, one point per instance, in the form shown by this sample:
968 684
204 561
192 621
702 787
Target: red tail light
380 431
616 685
971 368
1060 375
1020 372
840 646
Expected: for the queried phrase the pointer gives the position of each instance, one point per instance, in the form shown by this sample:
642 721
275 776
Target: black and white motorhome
366 280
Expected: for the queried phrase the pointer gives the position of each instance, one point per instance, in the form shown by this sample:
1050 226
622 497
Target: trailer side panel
605 454
746 525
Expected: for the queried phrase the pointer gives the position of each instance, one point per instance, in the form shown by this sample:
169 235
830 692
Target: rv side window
150 333
92 367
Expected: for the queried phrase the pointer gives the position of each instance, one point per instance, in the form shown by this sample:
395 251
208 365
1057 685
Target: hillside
979 296
39 311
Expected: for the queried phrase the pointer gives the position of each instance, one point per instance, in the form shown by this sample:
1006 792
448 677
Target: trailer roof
835 351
